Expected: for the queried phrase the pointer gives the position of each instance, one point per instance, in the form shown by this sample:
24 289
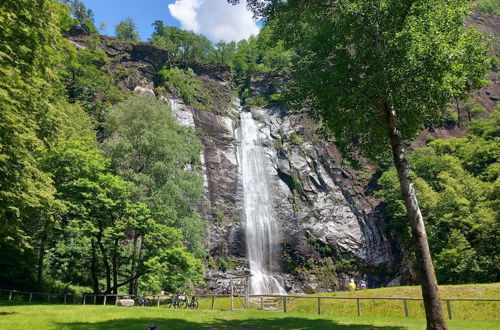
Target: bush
56 286
488 7
182 81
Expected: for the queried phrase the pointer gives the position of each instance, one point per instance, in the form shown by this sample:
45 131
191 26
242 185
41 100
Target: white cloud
215 19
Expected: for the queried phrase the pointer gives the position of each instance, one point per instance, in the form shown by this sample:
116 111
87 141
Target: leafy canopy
127 30
354 57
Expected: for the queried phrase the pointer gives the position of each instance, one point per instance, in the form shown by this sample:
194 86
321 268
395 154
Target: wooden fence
156 299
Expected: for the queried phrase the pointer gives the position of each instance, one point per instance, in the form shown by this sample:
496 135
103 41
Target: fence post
95 298
65 299
48 297
213 302
84 296
116 300
359 306
232 296
284 304
158 304
105 296
448 306
31 296
74 299
319 305
10 295
247 293
262 303
405 304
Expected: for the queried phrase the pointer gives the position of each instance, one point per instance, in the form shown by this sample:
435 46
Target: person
352 286
362 286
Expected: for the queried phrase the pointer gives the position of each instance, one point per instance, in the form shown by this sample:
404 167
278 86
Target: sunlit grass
301 312
111 317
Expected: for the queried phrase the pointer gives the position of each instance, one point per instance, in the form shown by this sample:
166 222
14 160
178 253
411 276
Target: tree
185 47
148 148
127 30
390 68
83 16
30 40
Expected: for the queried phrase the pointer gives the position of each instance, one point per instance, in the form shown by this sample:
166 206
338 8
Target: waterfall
262 235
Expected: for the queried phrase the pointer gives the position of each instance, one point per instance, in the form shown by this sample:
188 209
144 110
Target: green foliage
148 148
184 47
183 82
29 84
259 101
488 7
57 286
68 222
88 83
82 16
494 64
456 182
127 30
411 56
295 140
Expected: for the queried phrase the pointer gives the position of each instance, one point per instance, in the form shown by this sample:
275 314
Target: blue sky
144 13
215 19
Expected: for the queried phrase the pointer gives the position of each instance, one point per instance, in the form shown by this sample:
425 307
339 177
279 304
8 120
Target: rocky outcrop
320 203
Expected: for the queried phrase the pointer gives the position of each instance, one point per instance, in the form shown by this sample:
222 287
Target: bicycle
142 301
176 302
193 304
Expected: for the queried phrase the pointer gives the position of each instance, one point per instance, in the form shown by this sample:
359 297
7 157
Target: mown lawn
301 313
81 317
463 310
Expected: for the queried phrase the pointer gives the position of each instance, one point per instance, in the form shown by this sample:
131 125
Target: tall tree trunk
41 259
458 112
139 268
93 267
132 263
105 262
115 267
425 269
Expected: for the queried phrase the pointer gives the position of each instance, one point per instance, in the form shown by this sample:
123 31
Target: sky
216 19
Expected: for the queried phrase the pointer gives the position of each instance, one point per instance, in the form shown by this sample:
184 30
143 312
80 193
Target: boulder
126 302
144 91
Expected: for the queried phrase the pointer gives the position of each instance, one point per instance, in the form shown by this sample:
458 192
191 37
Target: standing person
352 286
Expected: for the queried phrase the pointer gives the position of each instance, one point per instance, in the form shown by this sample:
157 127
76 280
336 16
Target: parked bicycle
193 303
176 302
142 301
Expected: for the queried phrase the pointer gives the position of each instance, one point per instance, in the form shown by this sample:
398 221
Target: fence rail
281 301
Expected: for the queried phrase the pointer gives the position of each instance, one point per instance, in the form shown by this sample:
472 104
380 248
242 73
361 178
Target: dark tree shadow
6 313
249 324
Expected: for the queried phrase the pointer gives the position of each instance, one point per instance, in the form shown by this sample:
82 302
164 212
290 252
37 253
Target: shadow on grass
254 323
7 313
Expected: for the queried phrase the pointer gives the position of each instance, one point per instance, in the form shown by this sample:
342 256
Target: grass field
464 310
301 313
78 317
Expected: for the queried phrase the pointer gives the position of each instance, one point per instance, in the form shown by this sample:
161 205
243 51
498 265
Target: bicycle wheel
194 304
168 303
182 304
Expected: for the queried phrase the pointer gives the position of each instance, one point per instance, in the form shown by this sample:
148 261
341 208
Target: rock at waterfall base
126 302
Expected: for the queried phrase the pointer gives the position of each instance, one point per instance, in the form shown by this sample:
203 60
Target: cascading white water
262 235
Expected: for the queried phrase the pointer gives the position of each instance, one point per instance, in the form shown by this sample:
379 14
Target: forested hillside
94 191
101 186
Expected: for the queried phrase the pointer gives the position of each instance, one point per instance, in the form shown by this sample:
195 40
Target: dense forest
99 186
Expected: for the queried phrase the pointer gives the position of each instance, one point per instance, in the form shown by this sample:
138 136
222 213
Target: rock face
321 204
